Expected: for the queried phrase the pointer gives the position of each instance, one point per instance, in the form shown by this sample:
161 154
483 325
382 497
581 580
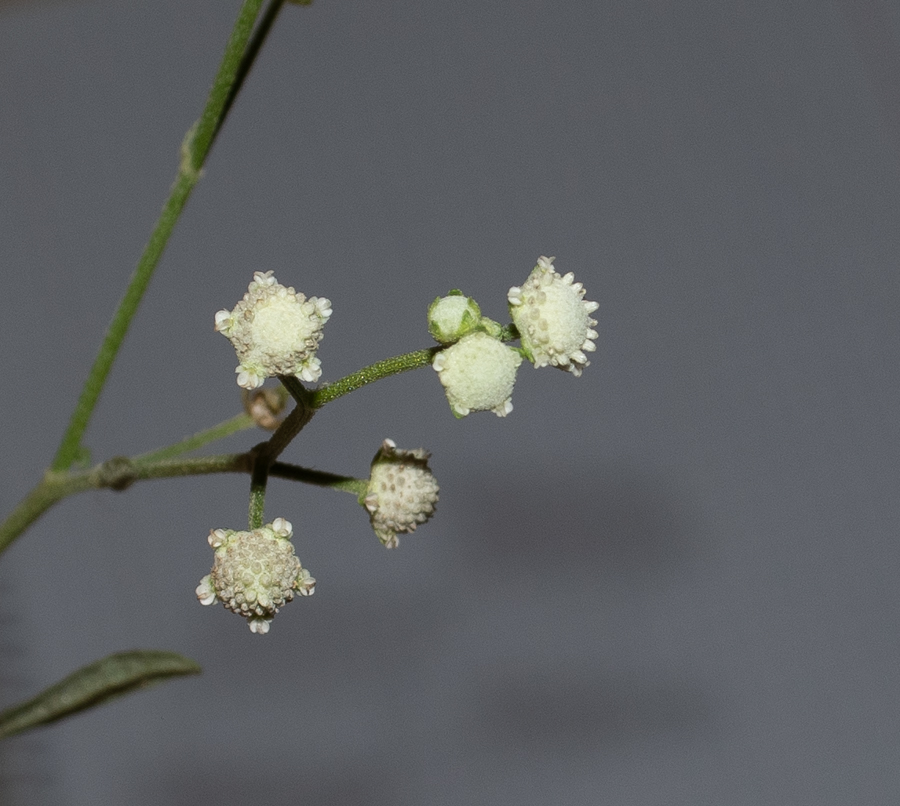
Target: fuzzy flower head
275 331
553 318
401 492
452 317
255 573
478 374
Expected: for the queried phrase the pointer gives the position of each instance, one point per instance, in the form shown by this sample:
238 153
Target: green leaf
95 684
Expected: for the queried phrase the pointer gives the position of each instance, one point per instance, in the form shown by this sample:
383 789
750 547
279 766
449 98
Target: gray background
671 581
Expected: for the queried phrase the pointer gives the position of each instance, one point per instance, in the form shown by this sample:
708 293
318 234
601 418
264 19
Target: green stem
194 152
120 472
203 466
308 402
257 497
259 37
265 454
294 423
224 429
320 478
50 490
374 372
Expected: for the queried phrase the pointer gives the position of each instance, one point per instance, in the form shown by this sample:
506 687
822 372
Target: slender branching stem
346 484
194 153
240 422
374 372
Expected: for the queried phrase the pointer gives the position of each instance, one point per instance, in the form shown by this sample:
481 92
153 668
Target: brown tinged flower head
401 494
254 573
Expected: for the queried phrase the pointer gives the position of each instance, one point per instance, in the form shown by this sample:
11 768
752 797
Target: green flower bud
452 317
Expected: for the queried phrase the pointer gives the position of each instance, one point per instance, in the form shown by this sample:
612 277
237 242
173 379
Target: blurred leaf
96 684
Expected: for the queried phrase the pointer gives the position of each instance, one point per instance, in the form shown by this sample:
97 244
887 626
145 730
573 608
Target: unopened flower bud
401 494
452 317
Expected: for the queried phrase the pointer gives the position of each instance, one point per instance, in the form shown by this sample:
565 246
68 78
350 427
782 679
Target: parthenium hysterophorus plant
276 332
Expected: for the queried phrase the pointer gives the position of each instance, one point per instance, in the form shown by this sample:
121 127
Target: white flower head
401 494
478 374
275 331
255 573
452 317
553 318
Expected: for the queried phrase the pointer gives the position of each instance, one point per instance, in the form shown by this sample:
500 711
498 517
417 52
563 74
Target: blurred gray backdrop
671 581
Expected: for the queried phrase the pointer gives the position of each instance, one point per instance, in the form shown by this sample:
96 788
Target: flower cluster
401 492
255 573
478 371
275 331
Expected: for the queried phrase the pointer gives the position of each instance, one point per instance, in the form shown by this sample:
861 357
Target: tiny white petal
205 592
223 320
260 626
247 379
282 527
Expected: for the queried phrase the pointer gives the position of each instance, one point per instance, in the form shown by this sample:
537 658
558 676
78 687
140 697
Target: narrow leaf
96 684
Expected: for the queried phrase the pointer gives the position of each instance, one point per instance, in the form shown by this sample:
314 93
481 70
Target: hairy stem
374 372
320 478
237 423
